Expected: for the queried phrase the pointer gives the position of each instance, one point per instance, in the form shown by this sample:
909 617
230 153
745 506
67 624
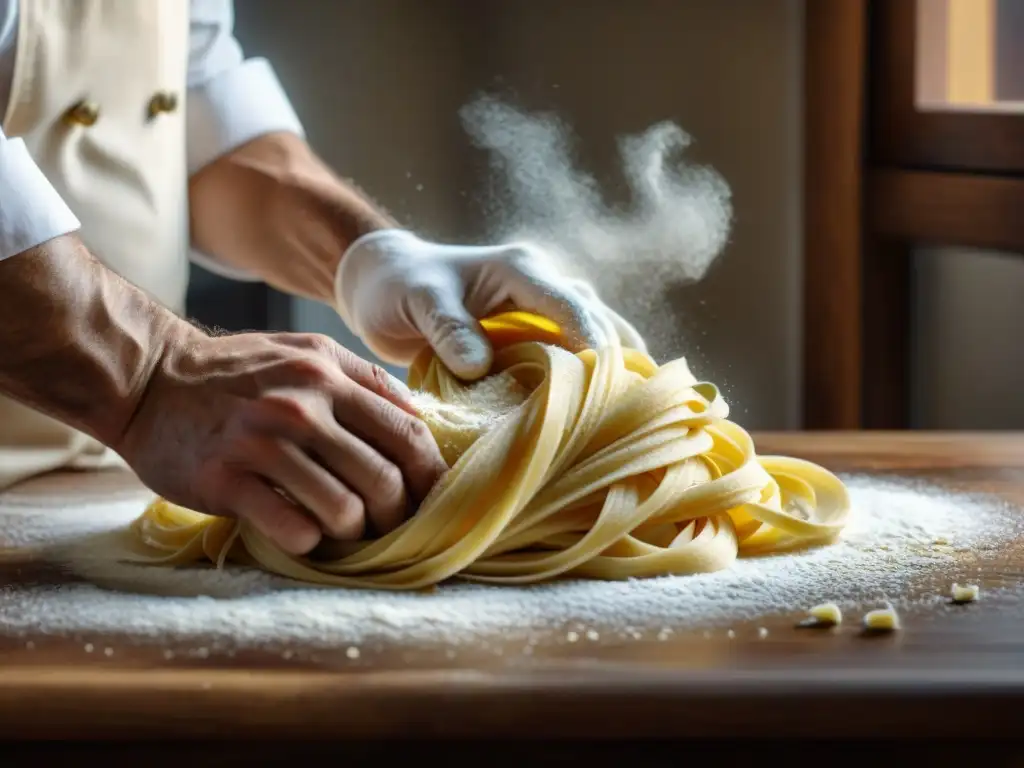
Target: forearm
273 208
79 341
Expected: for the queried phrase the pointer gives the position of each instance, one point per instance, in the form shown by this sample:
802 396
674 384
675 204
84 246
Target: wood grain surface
959 673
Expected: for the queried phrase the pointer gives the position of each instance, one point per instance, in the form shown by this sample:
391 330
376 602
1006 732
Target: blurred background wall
379 84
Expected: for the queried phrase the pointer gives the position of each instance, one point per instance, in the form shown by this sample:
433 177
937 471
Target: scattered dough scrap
882 620
824 615
965 593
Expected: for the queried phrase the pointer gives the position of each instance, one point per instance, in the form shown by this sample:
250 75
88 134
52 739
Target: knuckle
319 342
520 254
283 408
445 325
413 431
307 371
379 375
243 447
356 368
426 295
289 338
386 497
422 459
310 342
387 482
349 519
381 379
346 359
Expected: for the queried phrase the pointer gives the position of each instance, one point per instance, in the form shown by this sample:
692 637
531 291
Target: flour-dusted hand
291 432
400 293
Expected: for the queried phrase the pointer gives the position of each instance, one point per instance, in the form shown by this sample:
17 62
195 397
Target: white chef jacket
230 100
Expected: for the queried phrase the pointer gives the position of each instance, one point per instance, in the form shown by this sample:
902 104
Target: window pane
968 354
970 55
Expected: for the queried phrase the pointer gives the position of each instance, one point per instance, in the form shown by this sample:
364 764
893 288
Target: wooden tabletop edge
591 679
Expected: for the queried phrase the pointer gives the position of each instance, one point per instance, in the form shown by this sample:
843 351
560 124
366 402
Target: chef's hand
399 293
291 432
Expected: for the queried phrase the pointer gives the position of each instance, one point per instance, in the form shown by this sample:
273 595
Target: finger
534 289
585 289
398 436
375 378
628 335
270 513
452 332
339 511
377 480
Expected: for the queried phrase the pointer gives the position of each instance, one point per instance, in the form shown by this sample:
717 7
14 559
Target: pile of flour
901 533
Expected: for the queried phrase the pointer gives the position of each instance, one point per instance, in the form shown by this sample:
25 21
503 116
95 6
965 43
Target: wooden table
960 677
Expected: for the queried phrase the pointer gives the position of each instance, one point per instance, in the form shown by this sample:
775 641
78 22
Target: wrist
80 342
375 250
173 350
177 361
139 335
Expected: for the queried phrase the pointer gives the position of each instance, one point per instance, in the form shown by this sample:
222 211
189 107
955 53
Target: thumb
456 337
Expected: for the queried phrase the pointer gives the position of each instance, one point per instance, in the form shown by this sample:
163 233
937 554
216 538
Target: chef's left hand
399 293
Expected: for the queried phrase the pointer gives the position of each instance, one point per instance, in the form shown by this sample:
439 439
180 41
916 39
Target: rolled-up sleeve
31 210
231 100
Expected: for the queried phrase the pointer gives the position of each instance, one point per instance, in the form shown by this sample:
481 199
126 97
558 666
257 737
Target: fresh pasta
600 464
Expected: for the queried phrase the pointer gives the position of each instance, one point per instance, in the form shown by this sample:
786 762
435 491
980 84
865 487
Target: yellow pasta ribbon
605 465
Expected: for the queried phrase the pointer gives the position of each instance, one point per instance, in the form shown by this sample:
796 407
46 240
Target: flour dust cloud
675 226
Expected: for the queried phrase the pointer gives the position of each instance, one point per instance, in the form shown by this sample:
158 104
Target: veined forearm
274 209
78 341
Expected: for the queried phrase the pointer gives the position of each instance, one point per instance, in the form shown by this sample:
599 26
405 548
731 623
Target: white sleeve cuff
235 107
31 211
217 267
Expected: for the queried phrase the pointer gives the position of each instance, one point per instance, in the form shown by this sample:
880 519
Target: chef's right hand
291 432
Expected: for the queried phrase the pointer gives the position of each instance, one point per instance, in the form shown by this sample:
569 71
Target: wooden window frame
881 177
901 135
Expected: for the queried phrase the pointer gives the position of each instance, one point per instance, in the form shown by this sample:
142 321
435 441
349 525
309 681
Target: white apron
98 96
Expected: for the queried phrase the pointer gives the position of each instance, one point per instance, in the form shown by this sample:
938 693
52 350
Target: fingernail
473 354
473 351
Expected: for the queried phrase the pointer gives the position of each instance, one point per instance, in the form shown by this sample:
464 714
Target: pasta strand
600 464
